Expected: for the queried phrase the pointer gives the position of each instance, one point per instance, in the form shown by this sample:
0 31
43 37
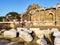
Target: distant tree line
11 15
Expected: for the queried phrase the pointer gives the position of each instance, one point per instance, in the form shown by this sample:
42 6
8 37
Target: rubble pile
42 35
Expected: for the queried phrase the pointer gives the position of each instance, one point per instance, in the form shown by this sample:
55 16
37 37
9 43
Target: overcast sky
20 6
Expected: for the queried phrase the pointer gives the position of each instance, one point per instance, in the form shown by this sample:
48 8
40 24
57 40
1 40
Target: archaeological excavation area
36 26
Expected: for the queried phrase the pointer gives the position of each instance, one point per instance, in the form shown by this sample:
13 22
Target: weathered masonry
39 16
36 15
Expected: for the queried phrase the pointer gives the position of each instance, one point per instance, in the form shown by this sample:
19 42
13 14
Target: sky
20 6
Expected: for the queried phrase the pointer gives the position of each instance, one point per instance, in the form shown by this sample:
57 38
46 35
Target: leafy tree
12 14
1 18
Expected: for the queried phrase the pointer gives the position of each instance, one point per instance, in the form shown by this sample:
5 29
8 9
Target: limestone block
57 38
24 29
28 24
48 34
10 34
40 33
19 29
48 31
25 36
12 25
42 41
29 31
35 24
34 29
54 30
57 41
56 34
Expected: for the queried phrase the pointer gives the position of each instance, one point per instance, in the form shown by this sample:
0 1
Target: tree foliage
12 14
1 18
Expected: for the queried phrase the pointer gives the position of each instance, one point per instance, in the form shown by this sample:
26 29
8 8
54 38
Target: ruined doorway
50 17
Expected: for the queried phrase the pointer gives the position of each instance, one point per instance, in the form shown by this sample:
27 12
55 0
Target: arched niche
50 16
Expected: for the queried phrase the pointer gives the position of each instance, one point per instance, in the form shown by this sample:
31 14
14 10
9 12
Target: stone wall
36 15
58 15
44 16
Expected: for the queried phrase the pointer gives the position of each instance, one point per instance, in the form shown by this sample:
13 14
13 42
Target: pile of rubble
26 35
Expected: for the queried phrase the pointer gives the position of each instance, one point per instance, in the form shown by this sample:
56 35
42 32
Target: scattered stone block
10 34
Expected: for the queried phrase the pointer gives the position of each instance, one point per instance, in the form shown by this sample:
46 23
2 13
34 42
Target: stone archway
50 16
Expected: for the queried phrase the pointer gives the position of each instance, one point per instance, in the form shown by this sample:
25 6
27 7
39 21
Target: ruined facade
36 15
40 16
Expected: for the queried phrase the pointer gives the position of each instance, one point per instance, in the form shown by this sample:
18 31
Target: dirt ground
46 27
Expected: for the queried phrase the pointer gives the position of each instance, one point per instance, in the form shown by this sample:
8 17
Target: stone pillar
58 13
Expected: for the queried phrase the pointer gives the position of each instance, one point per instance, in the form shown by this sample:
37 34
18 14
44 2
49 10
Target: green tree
11 16
1 18
14 14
